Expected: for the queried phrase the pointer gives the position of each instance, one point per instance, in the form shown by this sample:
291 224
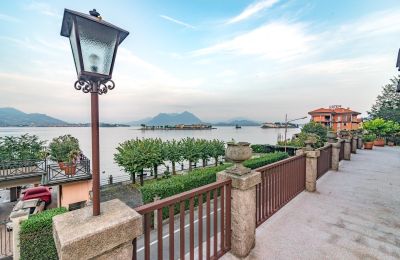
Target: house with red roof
337 118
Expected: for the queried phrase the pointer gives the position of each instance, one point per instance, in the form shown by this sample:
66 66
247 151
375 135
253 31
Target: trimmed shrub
267 148
265 159
36 236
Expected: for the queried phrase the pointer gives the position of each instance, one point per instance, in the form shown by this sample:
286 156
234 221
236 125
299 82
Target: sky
218 59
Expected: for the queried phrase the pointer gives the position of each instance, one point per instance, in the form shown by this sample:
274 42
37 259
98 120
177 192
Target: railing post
354 144
311 168
156 198
347 149
243 205
359 143
335 155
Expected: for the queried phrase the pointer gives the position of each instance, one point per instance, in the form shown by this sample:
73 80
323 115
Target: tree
190 151
173 153
318 129
387 105
217 150
377 126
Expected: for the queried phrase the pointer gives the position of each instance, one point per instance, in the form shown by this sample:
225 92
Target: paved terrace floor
355 214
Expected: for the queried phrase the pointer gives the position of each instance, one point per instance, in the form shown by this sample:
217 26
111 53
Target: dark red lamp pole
94 45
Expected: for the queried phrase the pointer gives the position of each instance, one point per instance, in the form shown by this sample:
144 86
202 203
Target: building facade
337 118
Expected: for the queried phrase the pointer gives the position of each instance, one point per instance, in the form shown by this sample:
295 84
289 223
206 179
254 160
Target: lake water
111 137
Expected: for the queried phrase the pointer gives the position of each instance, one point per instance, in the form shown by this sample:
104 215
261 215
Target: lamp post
398 66
286 125
94 45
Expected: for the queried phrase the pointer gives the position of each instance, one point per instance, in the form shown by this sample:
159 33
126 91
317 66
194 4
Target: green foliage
172 152
369 137
266 148
387 104
265 160
21 148
36 236
64 148
318 129
190 151
217 149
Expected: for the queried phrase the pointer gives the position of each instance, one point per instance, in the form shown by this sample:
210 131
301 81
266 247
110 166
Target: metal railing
20 167
324 162
217 214
280 183
6 239
341 153
56 174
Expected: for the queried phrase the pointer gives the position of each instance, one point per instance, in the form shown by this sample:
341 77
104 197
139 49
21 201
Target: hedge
36 236
265 159
267 148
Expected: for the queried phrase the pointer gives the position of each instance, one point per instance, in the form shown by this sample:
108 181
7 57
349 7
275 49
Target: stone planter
368 145
390 143
379 142
332 138
238 153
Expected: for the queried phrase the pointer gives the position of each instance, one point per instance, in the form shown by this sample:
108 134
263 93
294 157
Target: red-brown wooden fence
324 162
281 182
216 213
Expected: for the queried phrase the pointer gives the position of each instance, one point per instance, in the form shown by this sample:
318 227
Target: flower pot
61 165
238 153
368 145
70 169
379 142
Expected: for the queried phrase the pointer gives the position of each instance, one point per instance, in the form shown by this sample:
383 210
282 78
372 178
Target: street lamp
286 125
94 45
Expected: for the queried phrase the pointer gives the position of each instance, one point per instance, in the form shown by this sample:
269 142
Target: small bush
36 236
265 159
267 148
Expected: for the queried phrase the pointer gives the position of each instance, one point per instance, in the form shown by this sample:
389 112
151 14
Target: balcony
45 172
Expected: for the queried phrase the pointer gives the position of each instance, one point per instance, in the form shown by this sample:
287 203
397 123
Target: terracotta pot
379 142
70 169
368 145
61 165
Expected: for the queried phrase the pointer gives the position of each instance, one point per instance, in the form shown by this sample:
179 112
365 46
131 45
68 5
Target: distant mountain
241 122
171 119
14 117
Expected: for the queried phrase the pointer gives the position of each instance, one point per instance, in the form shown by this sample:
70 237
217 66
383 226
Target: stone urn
310 141
331 137
238 153
344 134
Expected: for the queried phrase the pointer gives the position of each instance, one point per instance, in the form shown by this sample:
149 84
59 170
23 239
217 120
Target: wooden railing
217 215
280 183
324 162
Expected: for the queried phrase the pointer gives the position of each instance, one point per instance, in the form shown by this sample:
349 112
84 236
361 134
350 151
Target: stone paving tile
355 214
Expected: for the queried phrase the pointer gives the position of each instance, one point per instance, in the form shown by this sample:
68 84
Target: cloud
252 10
277 40
42 8
177 21
8 18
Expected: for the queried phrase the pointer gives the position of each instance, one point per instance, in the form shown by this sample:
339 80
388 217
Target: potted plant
379 128
369 141
65 150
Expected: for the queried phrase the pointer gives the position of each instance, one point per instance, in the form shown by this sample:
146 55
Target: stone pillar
79 235
243 210
354 144
359 143
335 155
16 223
347 149
311 169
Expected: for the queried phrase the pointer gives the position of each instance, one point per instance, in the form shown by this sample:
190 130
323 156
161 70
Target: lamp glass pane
72 40
97 45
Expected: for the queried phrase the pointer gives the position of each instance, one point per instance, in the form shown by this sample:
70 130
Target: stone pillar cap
242 182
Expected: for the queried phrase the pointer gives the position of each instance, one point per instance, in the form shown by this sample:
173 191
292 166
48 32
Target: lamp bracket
90 86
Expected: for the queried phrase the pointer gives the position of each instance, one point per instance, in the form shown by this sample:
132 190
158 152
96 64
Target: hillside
172 119
14 117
